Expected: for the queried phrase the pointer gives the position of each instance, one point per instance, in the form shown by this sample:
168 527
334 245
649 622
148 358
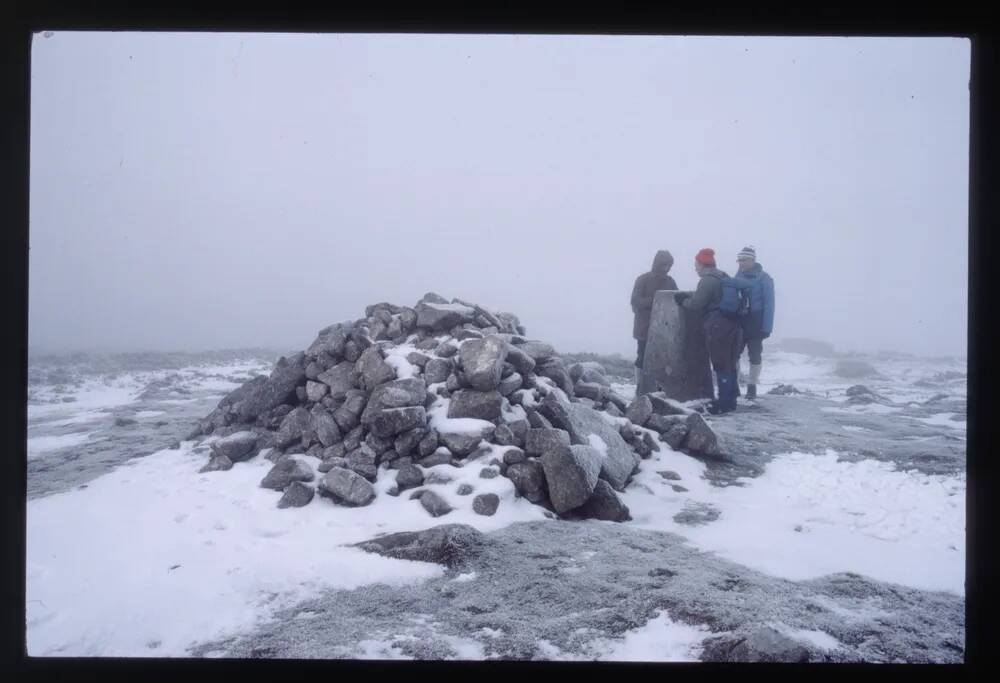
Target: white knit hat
747 252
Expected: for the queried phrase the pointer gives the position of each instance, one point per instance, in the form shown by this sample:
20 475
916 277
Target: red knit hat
706 257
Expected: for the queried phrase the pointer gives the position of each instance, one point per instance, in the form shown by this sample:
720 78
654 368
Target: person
722 334
757 325
646 286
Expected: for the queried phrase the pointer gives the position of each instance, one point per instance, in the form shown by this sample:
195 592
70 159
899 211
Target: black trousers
725 341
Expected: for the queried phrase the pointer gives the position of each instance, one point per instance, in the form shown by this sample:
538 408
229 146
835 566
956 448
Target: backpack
735 301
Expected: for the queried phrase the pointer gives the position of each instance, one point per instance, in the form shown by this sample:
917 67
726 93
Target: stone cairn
369 398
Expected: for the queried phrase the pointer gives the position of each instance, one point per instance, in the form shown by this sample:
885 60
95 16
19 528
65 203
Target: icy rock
296 495
589 371
603 504
486 504
377 444
618 401
373 369
347 487
529 479
584 425
217 463
483 405
675 435
393 421
661 423
613 410
329 463
520 431
513 456
294 427
554 369
853 369
520 360
538 351
236 447
453 384
489 473
510 384
418 359
441 317
761 645
279 388
428 444
436 458
435 504
362 462
591 390
664 405
348 415
571 473
340 378
700 437
437 370
409 477
407 442
784 390
285 472
325 427
400 393
460 445
451 545
537 421
482 361
315 391
503 436
640 410
300 394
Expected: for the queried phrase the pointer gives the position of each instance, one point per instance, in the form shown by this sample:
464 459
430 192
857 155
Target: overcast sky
197 191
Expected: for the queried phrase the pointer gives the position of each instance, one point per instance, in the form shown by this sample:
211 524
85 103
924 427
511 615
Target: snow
812 515
599 445
210 554
659 640
39 445
149 413
396 357
941 420
464 578
459 308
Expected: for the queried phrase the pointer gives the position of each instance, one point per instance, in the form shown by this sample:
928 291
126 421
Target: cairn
444 382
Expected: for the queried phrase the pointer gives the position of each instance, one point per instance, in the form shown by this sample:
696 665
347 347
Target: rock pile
444 382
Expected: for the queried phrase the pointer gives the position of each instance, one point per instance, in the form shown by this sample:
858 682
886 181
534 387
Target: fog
200 191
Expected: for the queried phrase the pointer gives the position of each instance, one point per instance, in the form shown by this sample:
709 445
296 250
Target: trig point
676 360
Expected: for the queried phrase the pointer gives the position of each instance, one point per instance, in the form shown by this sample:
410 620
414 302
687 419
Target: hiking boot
751 392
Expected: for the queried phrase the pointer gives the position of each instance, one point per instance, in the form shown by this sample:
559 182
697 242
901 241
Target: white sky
194 191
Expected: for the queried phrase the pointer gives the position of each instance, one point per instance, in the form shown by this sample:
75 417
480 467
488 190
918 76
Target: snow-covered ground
152 557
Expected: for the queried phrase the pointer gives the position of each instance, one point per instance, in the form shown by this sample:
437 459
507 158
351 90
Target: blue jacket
761 296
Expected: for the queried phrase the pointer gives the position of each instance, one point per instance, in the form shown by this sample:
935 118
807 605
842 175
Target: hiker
646 285
757 324
722 332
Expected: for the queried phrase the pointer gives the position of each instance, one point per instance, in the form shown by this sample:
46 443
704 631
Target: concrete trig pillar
676 359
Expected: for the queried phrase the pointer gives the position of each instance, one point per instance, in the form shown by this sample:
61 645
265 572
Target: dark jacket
707 295
761 318
646 285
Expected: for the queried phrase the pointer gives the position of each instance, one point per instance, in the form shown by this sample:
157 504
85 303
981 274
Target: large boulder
603 504
373 369
440 317
393 421
287 375
588 371
571 473
285 472
591 390
341 378
554 369
217 463
347 487
236 447
315 391
362 461
763 644
587 427
482 362
664 405
408 477
482 405
407 442
330 340
348 415
510 384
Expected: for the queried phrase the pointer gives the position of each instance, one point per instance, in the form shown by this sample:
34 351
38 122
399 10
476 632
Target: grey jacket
707 295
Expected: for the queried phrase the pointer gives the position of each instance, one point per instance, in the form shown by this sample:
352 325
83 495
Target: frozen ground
839 527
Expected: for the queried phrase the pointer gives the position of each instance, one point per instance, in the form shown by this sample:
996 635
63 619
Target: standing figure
646 285
722 333
757 325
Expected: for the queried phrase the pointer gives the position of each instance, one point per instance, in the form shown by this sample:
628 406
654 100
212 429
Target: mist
203 191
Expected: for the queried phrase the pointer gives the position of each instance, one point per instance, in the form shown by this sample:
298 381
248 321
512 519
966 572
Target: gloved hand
679 297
